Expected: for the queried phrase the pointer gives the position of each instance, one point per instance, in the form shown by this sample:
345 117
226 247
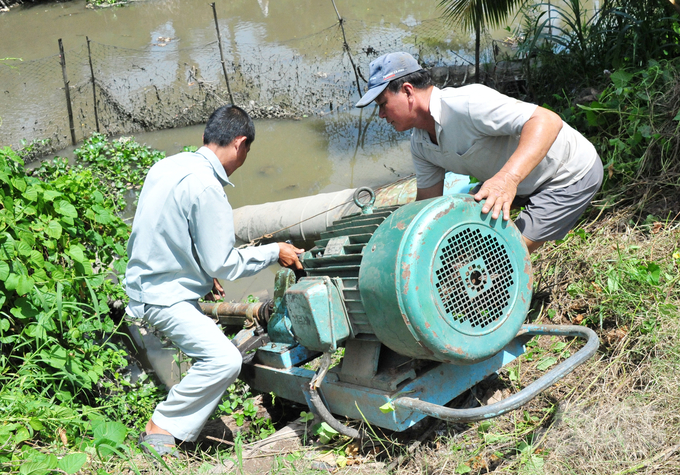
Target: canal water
289 158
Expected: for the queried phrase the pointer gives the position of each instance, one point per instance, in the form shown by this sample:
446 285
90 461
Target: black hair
227 123
419 80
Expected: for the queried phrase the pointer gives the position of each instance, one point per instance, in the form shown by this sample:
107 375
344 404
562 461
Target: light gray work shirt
183 233
478 129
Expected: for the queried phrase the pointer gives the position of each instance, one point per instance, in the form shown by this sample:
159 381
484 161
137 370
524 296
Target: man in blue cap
524 155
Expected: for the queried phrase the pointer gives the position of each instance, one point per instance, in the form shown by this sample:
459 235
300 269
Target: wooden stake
94 91
346 47
219 41
62 60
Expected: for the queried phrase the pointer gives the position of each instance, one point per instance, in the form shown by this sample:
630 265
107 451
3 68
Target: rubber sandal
164 444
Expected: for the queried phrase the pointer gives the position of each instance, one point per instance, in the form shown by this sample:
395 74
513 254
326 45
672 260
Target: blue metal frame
438 385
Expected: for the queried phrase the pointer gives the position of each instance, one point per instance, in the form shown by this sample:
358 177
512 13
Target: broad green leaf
19 184
7 247
76 253
24 285
31 194
387 407
53 229
28 238
23 248
4 324
58 273
67 209
12 281
55 357
654 273
71 463
621 78
36 259
50 195
677 117
92 376
21 435
30 211
546 363
36 424
34 468
24 309
113 431
4 270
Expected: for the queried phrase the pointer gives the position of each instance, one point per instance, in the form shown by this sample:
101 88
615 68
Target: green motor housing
440 280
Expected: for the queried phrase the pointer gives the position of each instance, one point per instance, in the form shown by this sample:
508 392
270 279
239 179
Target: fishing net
118 90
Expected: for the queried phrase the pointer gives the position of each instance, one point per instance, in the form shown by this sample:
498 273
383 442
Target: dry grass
618 413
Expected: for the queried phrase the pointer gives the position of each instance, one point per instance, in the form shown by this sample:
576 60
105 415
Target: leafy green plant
636 122
62 254
578 47
120 164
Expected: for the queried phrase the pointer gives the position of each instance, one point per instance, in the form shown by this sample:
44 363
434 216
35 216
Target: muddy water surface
31 32
288 158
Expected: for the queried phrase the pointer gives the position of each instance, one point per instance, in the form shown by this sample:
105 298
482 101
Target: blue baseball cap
386 68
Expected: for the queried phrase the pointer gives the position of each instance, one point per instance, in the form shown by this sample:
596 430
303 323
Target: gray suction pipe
303 219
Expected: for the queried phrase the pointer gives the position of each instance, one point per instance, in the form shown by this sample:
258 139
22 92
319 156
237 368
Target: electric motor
434 279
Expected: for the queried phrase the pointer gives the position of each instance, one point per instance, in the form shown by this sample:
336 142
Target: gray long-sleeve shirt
183 233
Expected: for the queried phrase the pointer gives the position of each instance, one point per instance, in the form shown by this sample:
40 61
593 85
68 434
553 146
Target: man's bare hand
288 255
217 292
499 191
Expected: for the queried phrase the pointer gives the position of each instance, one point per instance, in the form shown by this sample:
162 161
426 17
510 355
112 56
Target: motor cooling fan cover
440 280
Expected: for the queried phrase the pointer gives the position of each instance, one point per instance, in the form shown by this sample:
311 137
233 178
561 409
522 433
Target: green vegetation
62 249
106 3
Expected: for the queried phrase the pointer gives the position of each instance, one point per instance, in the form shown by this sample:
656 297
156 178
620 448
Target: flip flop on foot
164 444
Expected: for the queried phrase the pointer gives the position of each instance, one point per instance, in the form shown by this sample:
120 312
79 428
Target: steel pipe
238 314
526 394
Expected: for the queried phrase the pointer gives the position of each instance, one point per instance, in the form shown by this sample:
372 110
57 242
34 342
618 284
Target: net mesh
163 86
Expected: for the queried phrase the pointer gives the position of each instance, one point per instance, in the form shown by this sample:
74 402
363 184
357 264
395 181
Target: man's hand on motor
499 191
288 255
217 292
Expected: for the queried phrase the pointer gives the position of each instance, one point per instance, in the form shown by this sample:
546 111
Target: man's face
231 162
242 153
395 108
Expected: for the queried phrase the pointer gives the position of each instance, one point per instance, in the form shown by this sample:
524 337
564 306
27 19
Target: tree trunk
478 39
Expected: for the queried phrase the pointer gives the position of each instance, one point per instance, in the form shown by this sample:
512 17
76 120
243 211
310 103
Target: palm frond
488 13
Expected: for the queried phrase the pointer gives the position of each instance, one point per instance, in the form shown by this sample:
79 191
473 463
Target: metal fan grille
474 278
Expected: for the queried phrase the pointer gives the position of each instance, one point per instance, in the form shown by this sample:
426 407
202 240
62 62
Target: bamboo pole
346 47
219 41
62 60
94 90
